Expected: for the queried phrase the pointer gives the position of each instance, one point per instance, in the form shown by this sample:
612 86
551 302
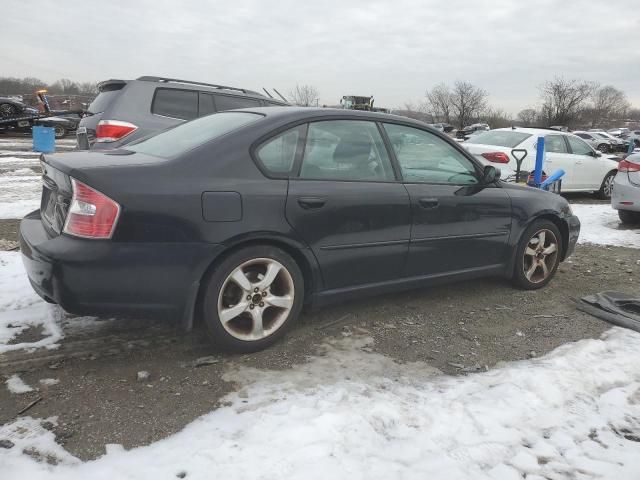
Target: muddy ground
458 329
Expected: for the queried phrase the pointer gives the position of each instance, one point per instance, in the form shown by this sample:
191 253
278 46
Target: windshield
499 138
189 135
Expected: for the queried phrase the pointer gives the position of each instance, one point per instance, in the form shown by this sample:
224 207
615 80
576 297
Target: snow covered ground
21 308
20 187
600 225
350 413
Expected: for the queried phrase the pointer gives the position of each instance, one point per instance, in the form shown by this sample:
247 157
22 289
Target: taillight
627 166
496 157
112 130
91 213
542 178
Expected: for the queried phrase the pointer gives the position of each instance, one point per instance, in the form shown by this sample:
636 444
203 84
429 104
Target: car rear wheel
8 110
251 299
629 218
538 255
604 148
606 189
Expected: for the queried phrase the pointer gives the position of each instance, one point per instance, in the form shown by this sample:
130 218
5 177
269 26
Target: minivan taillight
91 213
496 157
627 166
112 130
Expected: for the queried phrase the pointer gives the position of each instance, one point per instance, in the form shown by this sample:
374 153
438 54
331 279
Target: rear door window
555 144
228 102
579 147
173 103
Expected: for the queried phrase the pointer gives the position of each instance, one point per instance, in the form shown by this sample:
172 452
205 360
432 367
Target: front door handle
312 202
428 202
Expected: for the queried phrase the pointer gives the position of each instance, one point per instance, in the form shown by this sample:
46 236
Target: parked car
63 123
604 145
11 107
128 110
617 143
466 132
616 132
632 136
626 190
586 170
242 217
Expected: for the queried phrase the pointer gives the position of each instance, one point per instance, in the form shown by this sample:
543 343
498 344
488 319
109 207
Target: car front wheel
538 255
604 148
60 132
252 297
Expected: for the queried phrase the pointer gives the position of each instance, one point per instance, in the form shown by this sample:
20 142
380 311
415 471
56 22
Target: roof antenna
267 92
280 95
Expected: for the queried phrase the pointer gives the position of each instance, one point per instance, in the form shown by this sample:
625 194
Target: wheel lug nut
264 294
248 297
256 290
251 307
262 304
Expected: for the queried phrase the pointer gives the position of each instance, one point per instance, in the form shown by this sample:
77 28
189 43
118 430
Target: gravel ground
458 329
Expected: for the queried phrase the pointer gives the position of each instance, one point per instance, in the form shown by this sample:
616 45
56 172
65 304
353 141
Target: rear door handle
428 202
312 202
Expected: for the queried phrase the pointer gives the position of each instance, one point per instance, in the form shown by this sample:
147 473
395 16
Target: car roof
301 113
532 131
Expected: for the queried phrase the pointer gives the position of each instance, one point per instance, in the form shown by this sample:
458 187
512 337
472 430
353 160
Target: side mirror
490 174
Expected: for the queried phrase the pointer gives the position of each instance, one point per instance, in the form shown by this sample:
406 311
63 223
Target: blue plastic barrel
44 139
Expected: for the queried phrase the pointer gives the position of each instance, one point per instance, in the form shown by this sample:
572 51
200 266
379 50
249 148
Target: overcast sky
394 50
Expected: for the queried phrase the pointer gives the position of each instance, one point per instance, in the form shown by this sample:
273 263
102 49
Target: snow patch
600 225
16 385
47 382
21 309
20 192
349 413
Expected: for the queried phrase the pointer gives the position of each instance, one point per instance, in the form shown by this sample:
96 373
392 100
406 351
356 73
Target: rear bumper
573 225
625 196
95 277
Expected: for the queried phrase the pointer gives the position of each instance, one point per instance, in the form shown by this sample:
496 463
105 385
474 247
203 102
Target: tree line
565 102
29 85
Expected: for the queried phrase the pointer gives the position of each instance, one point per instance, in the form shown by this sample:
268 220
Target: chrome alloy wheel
256 299
540 256
607 187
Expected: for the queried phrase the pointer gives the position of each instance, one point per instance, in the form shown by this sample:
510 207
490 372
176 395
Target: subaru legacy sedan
241 218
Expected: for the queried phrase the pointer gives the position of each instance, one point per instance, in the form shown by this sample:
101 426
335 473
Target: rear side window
187 136
173 103
278 154
555 144
500 138
227 102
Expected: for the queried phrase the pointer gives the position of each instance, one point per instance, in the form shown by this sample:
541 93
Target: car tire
536 264
606 189
7 110
59 132
629 218
604 148
251 298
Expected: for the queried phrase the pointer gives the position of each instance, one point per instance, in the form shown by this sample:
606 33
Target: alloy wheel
607 186
540 256
255 299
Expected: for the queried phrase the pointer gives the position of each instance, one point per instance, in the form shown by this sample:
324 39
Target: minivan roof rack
189 82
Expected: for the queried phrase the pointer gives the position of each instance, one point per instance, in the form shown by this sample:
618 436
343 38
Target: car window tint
500 138
579 147
228 102
426 158
186 136
345 150
582 135
175 103
555 144
277 154
206 105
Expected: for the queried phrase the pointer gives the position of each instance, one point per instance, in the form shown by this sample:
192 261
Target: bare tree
304 95
417 112
564 99
467 101
528 117
439 102
496 118
608 102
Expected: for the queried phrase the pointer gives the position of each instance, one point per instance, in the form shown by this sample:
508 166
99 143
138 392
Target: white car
586 170
626 190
